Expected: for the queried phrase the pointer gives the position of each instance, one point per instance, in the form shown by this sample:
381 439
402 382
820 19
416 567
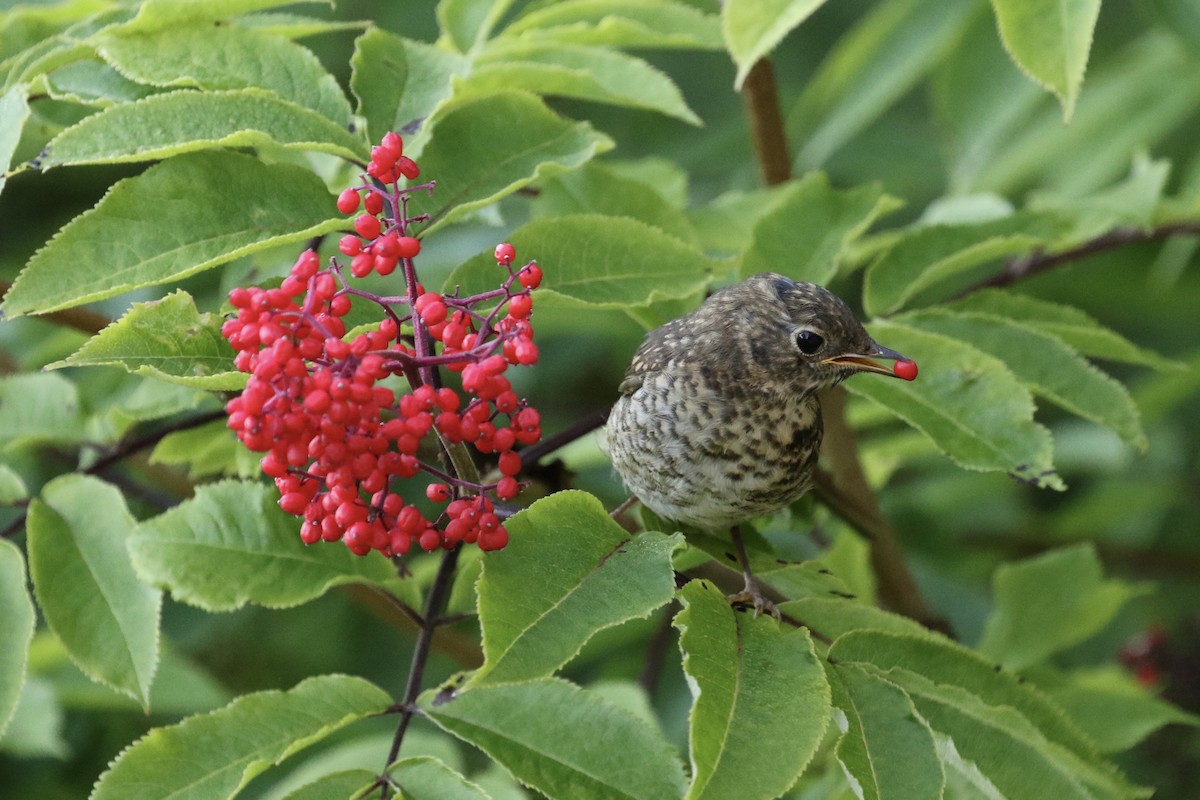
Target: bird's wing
651 357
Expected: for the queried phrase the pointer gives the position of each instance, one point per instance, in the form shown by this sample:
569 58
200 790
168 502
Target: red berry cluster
332 413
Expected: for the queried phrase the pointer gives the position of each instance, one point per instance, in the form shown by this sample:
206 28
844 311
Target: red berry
505 253
507 488
905 369
510 462
437 492
408 247
392 141
347 201
383 156
367 226
408 168
520 306
373 203
530 276
430 540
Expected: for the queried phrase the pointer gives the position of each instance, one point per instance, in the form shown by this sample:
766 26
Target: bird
718 419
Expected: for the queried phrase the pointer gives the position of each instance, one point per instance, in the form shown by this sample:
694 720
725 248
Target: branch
761 100
1035 263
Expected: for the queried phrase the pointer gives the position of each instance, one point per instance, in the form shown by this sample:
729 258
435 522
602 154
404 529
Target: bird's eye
809 342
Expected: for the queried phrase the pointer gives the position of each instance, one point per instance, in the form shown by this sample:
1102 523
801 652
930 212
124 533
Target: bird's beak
864 362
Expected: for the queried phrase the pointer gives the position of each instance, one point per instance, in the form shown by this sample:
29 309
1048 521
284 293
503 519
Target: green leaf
947 663
1046 364
927 255
92 82
967 402
86 587
832 617
601 577
207 450
1049 40
1131 203
578 71
1113 708
36 729
806 231
620 23
12 487
214 755
467 23
594 260
887 747
167 339
184 121
870 68
344 783
524 141
1006 747
752 682
226 57
38 408
399 82
231 545
1075 327
165 14
426 778
16 609
561 740
601 189
14 110
177 218
1050 602
752 28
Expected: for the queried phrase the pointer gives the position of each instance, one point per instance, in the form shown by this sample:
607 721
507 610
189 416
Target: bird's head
823 341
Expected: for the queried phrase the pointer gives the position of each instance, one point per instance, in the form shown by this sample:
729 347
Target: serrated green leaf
399 82
752 28
872 66
185 121
525 140
207 451
602 577
12 486
752 681
1046 364
1007 747
468 23
578 71
1049 40
36 728
805 233
946 663
1075 327
1113 708
39 408
231 545
560 739
887 747
426 778
218 57
1132 203
14 110
214 755
297 26
86 587
349 783
927 255
1050 602
599 188
177 218
967 402
93 82
832 617
594 260
16 609
620 23
164 14
167 339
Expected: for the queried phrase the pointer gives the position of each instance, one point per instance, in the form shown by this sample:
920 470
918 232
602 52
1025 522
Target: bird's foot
750 597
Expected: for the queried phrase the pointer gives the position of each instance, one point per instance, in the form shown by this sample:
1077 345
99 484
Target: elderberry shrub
336 439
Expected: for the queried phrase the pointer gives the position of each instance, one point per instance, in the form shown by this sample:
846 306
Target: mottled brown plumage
718 419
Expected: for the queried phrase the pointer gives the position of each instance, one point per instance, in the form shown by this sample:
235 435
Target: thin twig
1035 263
416 671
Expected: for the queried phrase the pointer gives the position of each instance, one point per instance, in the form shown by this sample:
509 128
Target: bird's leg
750 593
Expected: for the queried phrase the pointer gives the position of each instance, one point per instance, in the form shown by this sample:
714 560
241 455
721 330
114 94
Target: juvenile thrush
718 419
